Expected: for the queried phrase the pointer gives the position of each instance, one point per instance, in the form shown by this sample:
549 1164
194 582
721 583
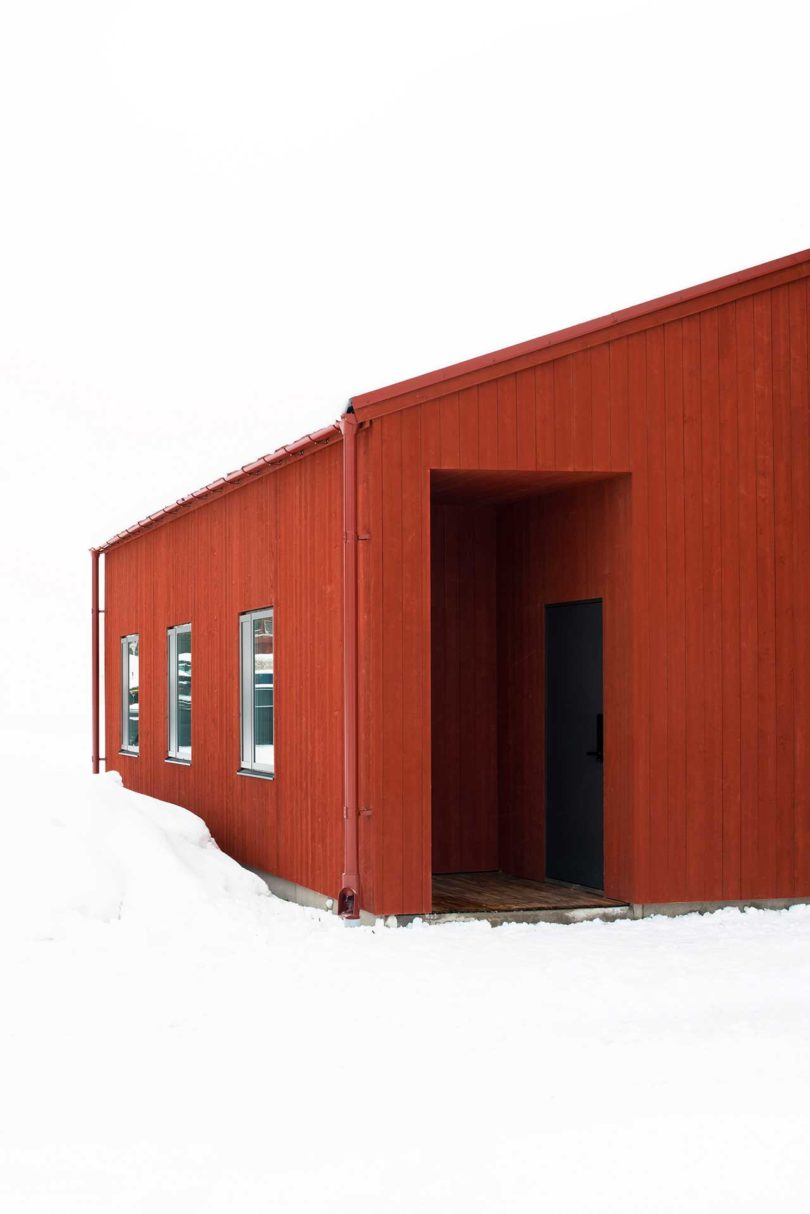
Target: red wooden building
545 613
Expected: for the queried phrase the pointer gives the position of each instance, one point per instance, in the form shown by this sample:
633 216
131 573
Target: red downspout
349 897
94 672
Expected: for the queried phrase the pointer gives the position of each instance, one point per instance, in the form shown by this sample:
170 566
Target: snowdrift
82 849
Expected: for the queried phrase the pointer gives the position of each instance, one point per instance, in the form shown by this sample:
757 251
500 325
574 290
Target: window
256 682
180 693
129 693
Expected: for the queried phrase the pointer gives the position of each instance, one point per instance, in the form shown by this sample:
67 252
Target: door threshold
497 893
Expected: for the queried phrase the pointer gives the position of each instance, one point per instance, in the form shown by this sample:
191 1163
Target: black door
574 733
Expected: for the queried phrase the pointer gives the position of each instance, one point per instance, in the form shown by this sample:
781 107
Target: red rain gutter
94 651
349 897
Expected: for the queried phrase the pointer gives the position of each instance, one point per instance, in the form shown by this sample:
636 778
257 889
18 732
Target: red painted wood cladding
275 542
706 413
464 686
660 460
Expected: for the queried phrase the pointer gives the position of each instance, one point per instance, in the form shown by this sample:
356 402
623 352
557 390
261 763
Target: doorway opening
529 661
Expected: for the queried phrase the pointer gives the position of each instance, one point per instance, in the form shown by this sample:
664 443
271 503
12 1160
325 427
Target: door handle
599 753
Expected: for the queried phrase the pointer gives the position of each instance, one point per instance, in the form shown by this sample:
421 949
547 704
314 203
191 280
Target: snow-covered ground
219 221
176 1039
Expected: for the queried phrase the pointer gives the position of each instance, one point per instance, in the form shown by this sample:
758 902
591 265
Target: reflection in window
257 691
180 692
129 693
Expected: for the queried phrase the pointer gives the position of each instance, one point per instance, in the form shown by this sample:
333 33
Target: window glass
130 690
263 691
180 692
257 690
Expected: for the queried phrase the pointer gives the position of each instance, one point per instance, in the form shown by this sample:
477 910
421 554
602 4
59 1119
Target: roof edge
436 383
224 484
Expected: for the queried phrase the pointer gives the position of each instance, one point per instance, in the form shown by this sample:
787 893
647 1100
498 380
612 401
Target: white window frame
173 635
246 692
126 745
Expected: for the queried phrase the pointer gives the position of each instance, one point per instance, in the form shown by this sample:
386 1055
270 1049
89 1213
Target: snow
221 225
174 1038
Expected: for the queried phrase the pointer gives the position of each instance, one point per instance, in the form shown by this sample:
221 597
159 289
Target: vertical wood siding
708 414
275 542
464 684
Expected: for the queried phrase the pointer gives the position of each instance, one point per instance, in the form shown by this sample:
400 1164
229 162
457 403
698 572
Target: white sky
220 220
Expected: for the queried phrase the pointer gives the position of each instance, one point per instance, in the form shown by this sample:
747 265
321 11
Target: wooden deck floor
459 892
